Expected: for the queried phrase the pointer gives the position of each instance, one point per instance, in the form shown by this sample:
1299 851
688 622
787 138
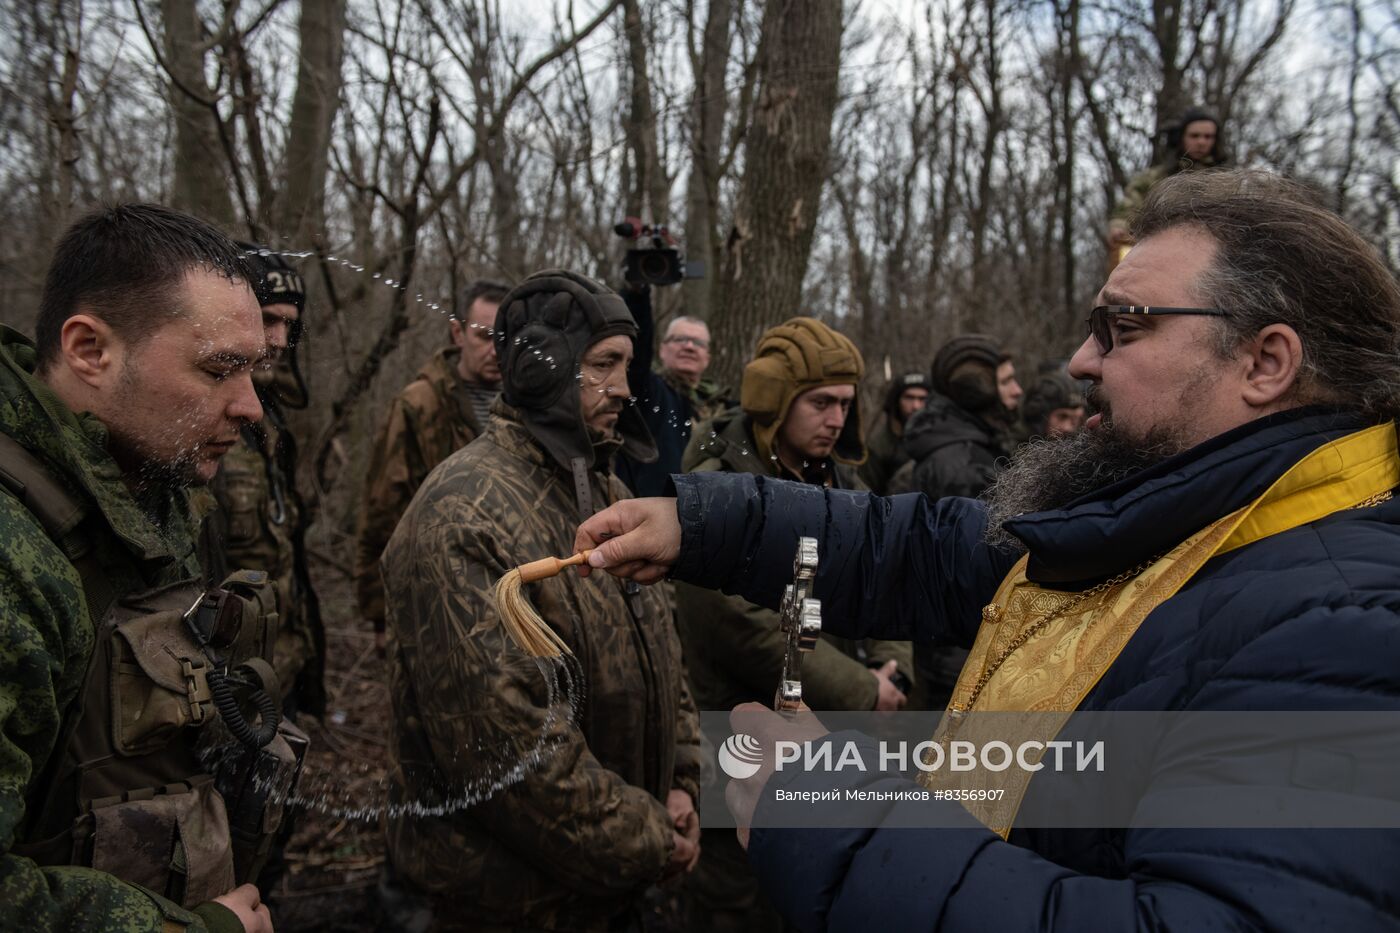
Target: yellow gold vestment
1057 666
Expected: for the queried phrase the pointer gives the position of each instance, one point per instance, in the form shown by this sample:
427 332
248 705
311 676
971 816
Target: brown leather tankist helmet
799 354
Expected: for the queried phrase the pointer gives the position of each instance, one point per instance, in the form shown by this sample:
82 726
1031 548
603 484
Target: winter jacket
734 649
1141 185
427 421
1305 619
954 451
885 455
670 408
578 838
47 640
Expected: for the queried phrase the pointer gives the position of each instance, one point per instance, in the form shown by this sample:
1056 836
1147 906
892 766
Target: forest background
905 169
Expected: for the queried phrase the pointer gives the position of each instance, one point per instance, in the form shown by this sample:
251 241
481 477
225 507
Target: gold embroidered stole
1048 677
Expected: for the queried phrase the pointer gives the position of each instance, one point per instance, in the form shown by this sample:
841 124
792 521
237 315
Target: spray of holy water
440 782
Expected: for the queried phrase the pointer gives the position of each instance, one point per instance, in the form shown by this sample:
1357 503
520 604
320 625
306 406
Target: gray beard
1048 474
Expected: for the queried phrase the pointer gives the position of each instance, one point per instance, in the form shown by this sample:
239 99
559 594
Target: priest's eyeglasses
1102 330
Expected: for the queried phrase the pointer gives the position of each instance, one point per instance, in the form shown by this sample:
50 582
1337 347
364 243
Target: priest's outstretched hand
637 539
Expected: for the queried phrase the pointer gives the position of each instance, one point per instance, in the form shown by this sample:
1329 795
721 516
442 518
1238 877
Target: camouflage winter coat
734 649
1141 184
579 838
427 421
47 640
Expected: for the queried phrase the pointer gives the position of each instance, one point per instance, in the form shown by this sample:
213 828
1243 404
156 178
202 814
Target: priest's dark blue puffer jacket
1308 619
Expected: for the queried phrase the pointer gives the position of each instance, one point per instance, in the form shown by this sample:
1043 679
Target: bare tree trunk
245 101
410 217
1116 178
200 159
1171 99
785 165
505 210
300 213
858 263
64 40
991 103
1069 71
1354 65
493 147
708 110
650 183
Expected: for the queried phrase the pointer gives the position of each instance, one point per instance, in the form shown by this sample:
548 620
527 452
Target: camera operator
674 396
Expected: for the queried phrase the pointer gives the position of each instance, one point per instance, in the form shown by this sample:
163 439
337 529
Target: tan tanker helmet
799 354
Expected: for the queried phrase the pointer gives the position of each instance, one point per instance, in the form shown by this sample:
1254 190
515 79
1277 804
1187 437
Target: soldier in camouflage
606 808
138 383
441 411
1193 143
800 420
261 520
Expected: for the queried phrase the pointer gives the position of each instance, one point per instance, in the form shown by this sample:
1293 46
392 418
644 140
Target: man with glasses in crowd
1222 536
672 398
442 410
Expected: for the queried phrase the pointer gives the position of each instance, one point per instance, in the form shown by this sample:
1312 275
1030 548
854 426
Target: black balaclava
277 282
543 327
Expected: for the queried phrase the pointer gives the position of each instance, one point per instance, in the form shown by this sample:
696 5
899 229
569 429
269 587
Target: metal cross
801 622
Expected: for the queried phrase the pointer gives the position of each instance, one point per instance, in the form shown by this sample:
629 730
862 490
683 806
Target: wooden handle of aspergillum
549 566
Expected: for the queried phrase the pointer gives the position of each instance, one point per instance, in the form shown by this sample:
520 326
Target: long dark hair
1283 258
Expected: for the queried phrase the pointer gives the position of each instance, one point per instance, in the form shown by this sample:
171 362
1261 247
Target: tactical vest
157 776
256 525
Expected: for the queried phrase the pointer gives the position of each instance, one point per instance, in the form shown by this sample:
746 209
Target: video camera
657 264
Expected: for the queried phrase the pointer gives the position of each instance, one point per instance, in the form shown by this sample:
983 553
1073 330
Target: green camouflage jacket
46 641
427 421
1143 182
259 526
734 649
579 838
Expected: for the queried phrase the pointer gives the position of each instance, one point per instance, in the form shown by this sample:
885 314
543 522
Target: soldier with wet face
575 840
138 384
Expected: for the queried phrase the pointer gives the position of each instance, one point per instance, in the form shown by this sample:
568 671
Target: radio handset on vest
215 621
